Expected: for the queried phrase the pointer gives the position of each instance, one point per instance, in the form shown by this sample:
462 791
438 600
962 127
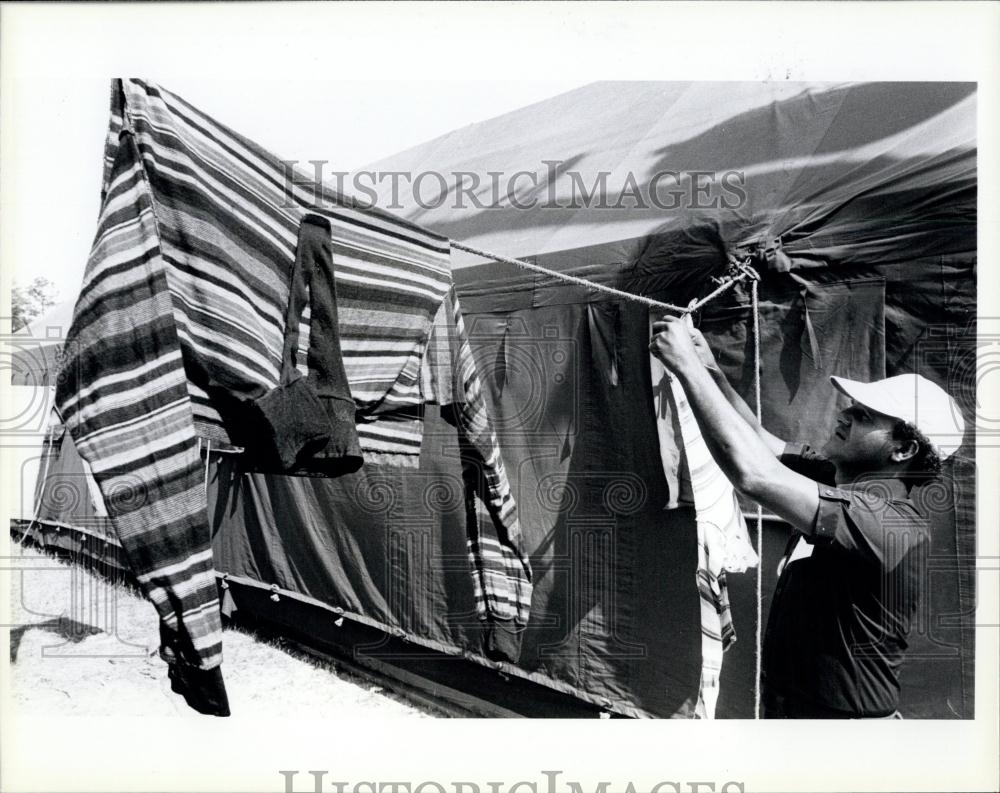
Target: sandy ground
81 646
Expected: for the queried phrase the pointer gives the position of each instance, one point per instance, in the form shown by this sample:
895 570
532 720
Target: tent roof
35 347
53 324
797 145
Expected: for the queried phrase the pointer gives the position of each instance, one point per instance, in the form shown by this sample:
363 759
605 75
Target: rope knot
768 254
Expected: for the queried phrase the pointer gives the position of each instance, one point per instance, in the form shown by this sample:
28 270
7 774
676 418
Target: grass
81 645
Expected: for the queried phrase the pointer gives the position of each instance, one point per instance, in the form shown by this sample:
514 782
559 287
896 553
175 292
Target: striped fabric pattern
185 294
227 208
501 570
723 545
122 393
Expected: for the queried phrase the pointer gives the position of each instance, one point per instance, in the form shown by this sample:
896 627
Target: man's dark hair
926 463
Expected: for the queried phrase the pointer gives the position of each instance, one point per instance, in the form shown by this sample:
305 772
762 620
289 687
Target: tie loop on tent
773 257
228 605
767 253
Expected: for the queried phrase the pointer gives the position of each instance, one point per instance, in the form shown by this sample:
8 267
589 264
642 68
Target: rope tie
755 307
726 284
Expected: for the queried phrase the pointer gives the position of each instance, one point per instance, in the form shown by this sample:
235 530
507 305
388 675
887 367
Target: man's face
861 440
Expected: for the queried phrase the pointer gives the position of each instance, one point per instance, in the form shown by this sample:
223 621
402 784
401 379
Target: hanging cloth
723 541
182 315
723 546
307 423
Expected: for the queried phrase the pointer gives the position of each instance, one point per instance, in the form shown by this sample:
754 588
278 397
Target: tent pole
755 308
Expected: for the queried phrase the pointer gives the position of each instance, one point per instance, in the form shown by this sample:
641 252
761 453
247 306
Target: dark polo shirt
840 615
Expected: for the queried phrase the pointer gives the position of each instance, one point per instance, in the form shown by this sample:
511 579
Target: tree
28 302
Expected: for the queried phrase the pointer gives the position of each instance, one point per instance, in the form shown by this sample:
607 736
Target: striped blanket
183 300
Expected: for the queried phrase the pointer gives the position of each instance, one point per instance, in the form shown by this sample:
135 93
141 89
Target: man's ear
906 450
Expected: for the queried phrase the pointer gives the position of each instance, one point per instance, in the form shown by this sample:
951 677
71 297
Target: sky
59 140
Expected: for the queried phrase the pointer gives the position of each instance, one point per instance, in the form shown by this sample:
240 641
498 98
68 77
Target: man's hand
705 354
673 344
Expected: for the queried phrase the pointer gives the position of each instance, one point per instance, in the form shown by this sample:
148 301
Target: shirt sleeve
802 459
869 523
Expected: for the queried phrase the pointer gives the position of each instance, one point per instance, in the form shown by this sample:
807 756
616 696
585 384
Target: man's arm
747 460
774 443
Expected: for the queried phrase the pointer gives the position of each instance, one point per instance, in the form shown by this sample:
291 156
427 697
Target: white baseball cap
917 401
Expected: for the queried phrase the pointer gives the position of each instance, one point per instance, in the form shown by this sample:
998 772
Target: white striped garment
723 542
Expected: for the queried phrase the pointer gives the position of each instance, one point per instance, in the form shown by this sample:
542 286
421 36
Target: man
852 576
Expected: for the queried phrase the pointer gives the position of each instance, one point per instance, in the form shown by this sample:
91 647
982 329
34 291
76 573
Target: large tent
856 203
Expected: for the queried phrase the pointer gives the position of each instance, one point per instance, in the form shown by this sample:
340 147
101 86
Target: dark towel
308 422
294 423
327 376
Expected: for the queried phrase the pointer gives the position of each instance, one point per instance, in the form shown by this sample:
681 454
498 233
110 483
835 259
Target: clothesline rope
743 272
